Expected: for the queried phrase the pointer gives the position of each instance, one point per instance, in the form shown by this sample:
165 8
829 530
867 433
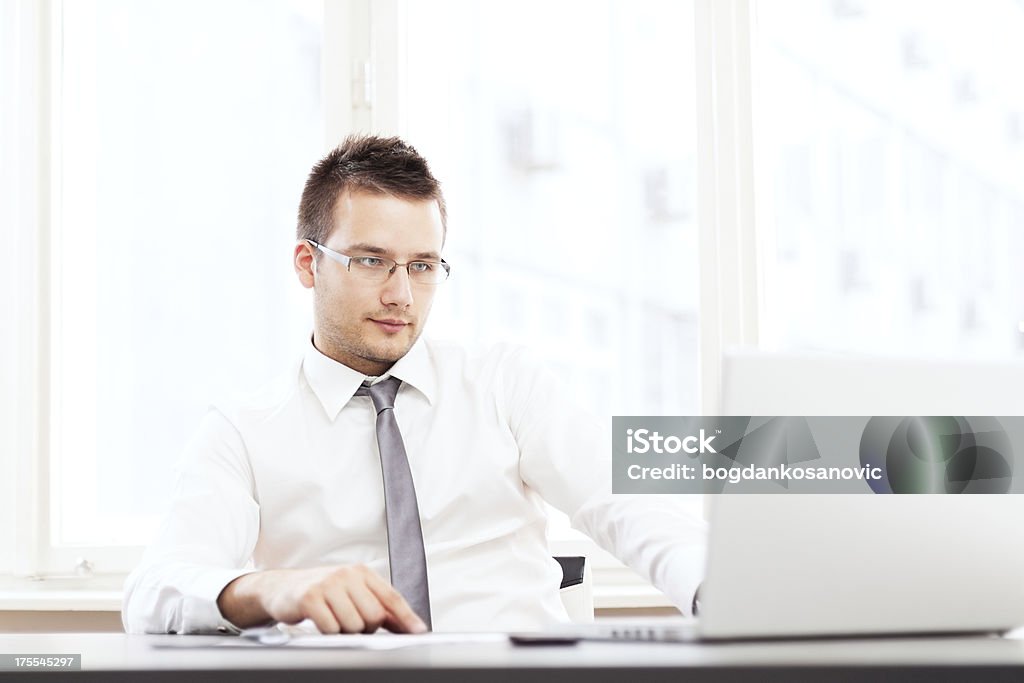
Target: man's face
364 324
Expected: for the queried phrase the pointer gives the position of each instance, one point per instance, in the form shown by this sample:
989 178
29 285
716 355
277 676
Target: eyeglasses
379 269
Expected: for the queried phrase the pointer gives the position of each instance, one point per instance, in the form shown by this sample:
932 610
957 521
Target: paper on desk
286 638
391 641
306 635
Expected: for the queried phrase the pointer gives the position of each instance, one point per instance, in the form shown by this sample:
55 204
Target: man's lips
390 325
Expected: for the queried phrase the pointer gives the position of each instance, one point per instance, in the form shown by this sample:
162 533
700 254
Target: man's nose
397 288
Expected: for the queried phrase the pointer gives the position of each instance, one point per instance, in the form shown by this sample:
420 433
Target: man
387 456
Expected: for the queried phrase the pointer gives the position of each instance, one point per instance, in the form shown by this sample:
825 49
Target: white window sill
101 593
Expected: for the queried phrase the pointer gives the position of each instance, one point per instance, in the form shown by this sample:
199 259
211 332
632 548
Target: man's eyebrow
372 249
367 248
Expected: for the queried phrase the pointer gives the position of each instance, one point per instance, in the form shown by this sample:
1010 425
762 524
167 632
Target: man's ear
304 261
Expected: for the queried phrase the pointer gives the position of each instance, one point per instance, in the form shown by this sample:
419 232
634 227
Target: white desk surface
123 657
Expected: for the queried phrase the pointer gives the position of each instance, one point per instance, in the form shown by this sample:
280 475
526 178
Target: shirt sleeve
204 543
565 455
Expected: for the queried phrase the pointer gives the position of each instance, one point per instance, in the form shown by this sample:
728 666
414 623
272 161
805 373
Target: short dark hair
365 163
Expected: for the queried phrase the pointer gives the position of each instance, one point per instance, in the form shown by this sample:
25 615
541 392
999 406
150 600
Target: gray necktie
405 537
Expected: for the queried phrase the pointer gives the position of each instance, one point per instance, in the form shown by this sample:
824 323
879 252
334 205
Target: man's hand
346 599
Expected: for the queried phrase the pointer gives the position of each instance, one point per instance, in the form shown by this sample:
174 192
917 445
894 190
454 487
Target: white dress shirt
291 478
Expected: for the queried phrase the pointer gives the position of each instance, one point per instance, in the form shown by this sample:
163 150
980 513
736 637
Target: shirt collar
416 369
335 383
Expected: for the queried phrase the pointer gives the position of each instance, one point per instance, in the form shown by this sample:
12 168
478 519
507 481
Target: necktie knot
382 393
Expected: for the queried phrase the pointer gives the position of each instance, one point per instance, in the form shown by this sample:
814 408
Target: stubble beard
352 343
341 342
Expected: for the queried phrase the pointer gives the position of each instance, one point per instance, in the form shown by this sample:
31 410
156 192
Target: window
184 133
891 142
565 134
18 135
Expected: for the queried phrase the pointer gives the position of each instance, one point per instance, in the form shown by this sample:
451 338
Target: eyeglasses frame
346 260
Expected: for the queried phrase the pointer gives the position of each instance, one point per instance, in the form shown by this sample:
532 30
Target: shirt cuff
201 613
681 577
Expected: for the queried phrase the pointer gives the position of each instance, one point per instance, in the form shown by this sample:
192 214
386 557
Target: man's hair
365 163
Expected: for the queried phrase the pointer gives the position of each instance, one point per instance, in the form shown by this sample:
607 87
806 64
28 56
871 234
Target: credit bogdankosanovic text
643 441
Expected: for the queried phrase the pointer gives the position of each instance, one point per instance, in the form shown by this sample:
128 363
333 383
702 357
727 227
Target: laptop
813 566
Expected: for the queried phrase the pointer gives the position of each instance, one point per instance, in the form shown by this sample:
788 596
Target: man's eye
421 267
368 261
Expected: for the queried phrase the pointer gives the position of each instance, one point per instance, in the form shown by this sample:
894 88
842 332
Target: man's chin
391 350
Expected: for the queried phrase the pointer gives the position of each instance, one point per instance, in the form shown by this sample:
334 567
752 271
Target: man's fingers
321 614
345 611
403 619
369 606
393 625
349 599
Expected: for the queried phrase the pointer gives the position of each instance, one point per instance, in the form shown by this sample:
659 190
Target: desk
118 657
